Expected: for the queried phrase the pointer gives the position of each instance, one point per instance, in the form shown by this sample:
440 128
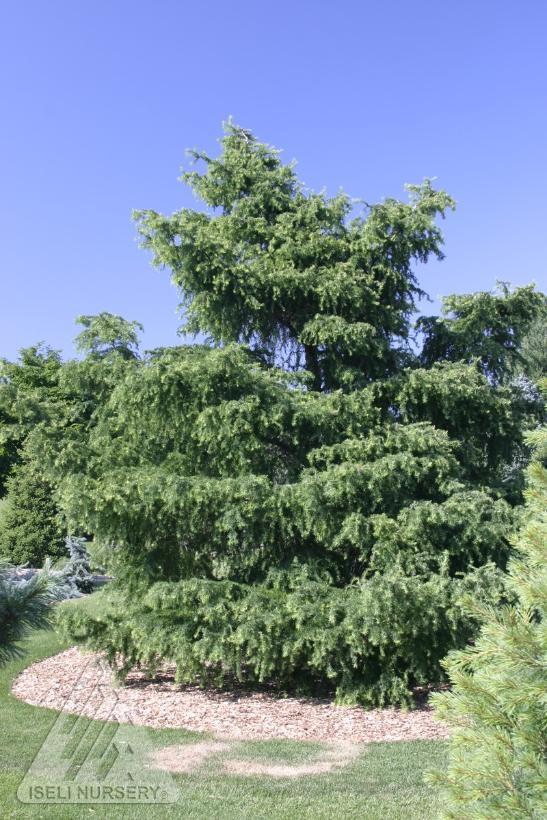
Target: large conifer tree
296 499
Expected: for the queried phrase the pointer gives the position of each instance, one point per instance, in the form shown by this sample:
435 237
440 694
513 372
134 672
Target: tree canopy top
305 279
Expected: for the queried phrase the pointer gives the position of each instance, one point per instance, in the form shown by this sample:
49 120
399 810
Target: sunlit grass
385 781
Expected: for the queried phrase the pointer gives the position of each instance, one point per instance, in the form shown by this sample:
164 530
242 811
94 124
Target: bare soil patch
184 758
335 756
81 683
187 757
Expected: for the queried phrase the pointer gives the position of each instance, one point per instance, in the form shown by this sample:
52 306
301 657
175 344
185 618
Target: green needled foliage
30 525
25 604
498 704
533 350
304 279
106 335
489 328
25 386
296 500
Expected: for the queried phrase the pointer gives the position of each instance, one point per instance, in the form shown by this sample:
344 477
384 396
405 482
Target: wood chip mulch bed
81 683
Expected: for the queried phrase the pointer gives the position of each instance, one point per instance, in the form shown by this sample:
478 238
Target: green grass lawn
384 782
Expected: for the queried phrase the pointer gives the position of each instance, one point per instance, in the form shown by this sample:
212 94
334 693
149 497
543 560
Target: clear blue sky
100 99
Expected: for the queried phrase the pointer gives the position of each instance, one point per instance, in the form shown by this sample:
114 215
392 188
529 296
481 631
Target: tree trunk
312 364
